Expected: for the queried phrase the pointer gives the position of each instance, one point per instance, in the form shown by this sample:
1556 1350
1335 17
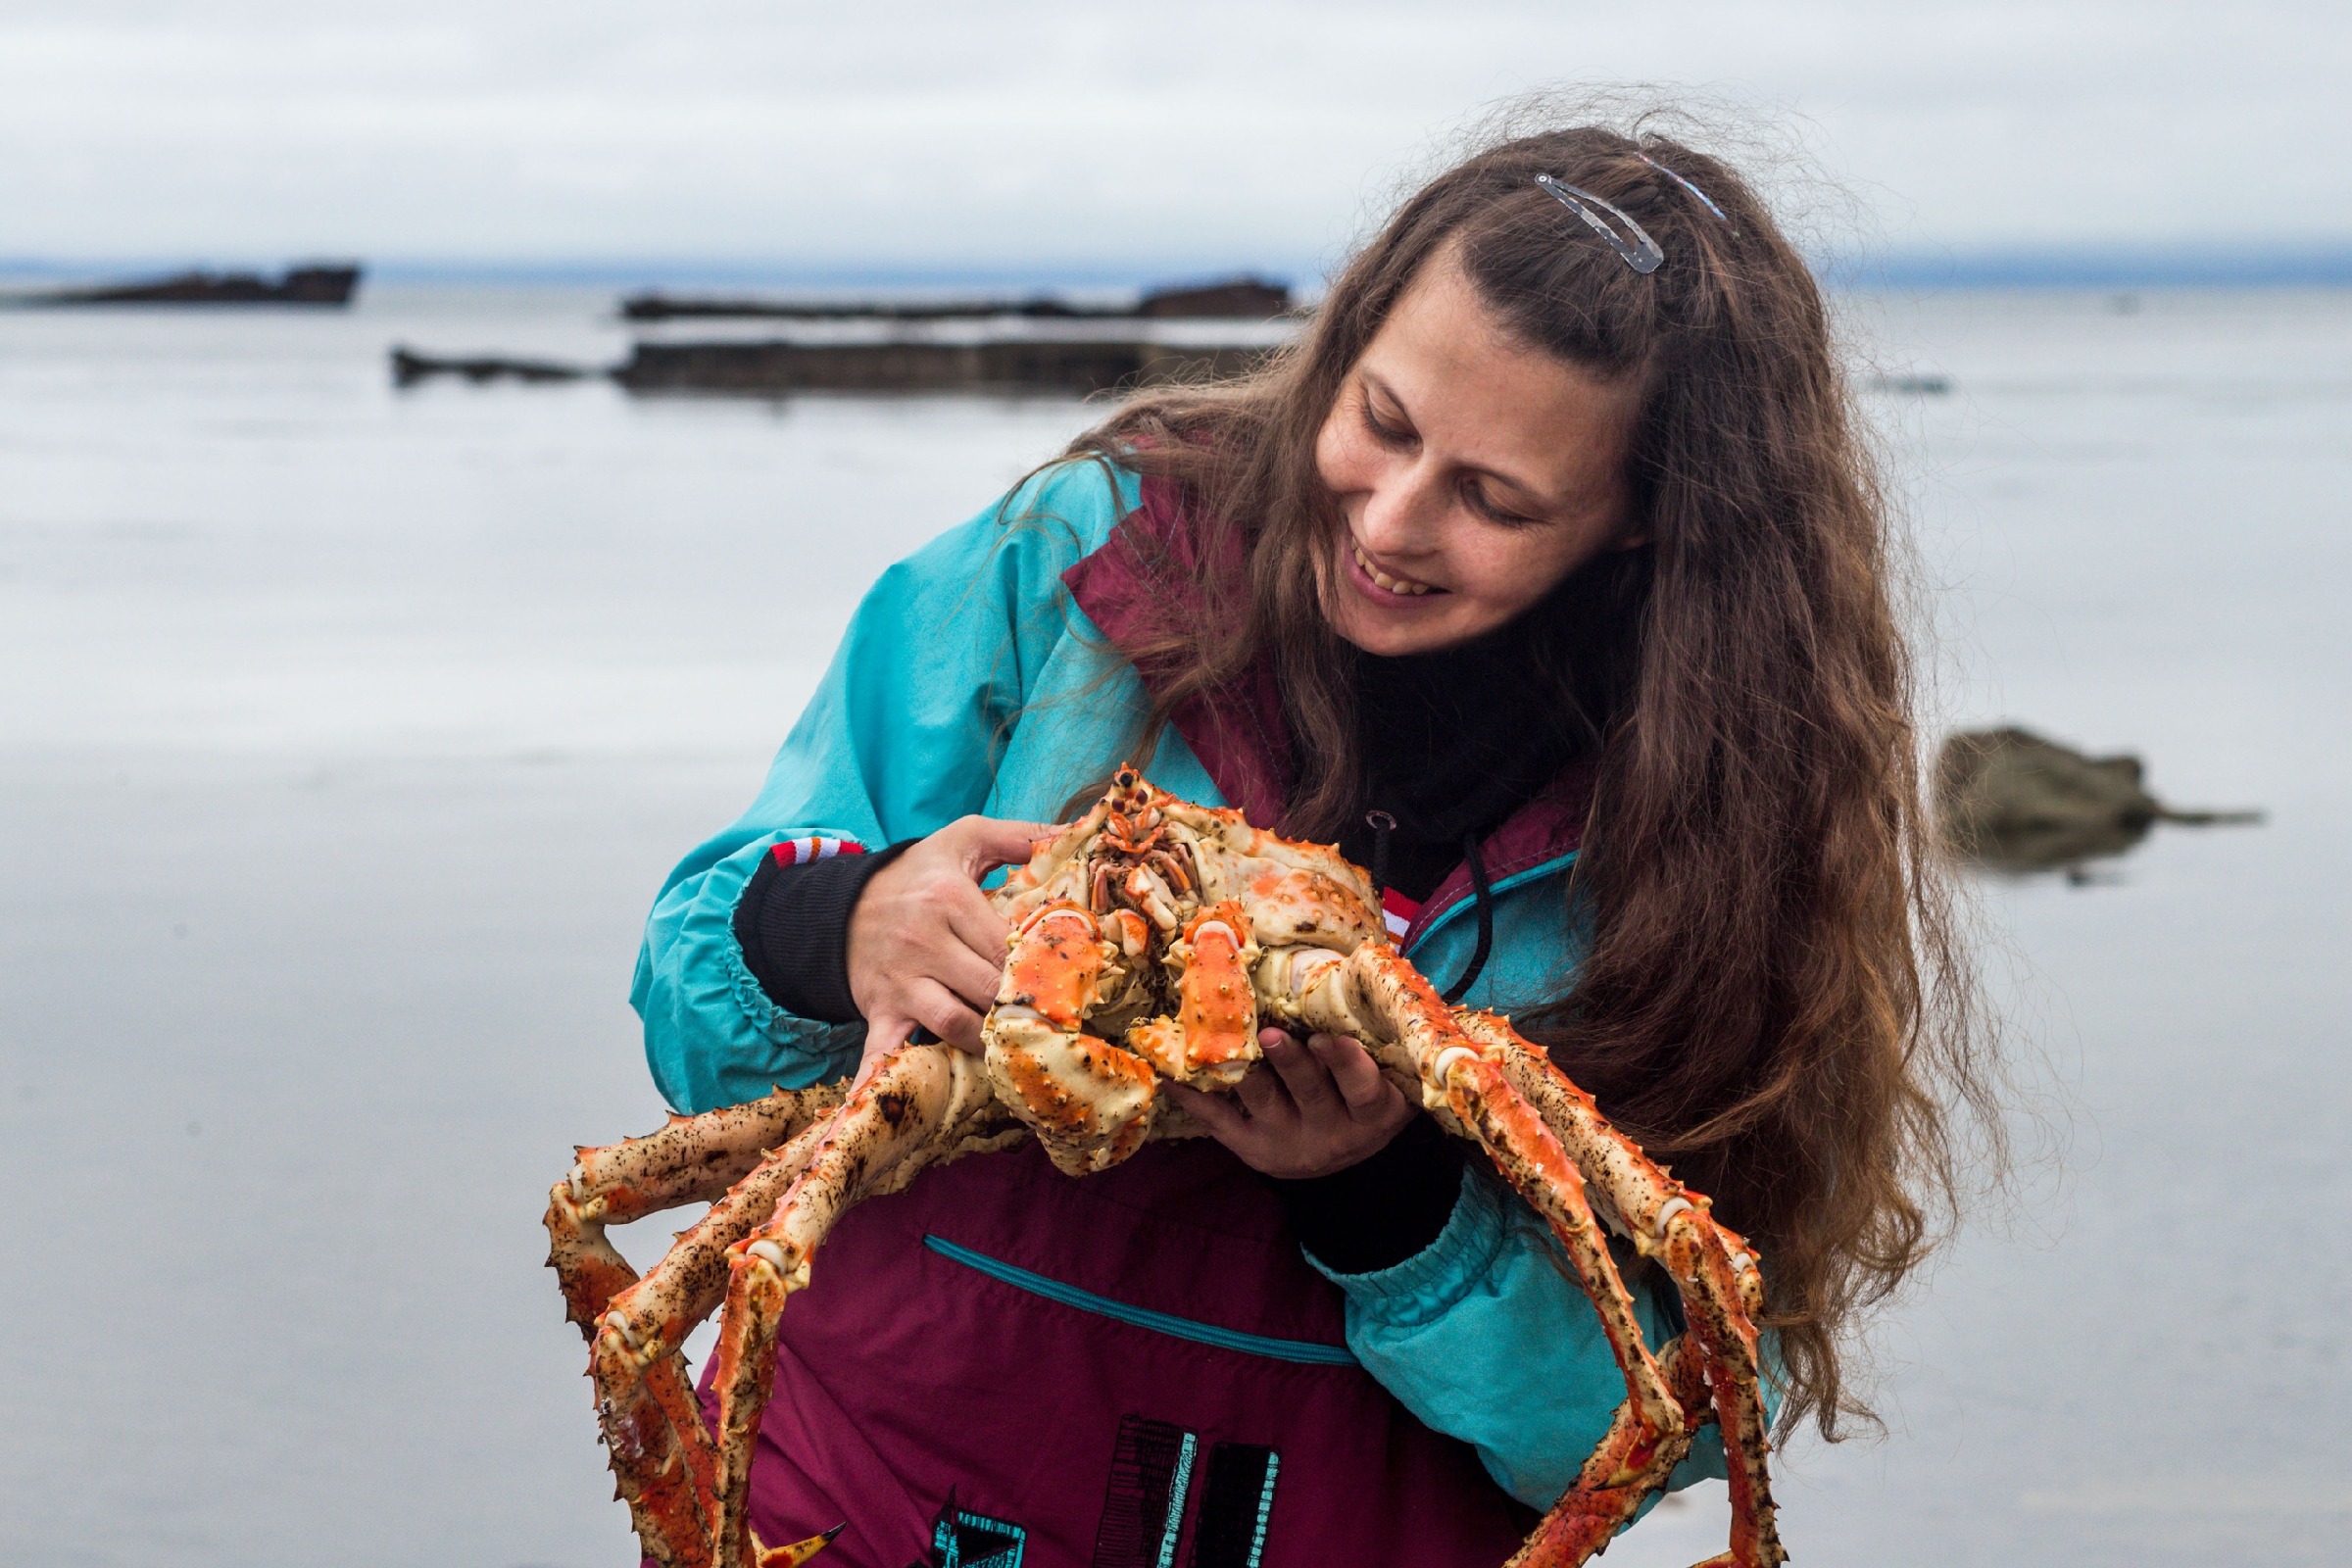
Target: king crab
1150 941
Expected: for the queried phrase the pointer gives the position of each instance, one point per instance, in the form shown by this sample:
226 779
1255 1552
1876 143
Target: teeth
1395 585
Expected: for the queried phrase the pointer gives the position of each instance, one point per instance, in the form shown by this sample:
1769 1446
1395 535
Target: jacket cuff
1380 1211
793 925
1431 1283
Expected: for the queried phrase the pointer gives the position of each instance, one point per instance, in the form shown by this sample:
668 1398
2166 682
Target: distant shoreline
2307 264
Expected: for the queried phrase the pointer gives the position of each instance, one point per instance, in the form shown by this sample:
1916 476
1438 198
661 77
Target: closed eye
1387 435
1475 494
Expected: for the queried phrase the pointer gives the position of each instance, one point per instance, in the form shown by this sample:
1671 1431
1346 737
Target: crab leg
1711 1266
1376 995
1575 1535
661 1454
923 1105
1696 1257
690 1161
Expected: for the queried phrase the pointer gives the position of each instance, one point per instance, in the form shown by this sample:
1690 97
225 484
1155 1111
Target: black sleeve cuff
792 925
1380 1212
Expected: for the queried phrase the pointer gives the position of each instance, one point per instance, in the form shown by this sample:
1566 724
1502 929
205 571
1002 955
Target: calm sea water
345 734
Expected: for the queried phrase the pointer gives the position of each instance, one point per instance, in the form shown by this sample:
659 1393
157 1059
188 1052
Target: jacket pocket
1308 1351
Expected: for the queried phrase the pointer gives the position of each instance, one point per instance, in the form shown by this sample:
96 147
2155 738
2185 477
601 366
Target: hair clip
1705 199
1642 256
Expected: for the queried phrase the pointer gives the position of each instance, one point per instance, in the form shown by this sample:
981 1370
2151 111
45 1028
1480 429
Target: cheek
1344 458
1508 572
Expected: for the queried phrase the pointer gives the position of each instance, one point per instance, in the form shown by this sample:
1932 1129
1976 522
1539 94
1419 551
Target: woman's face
1475 472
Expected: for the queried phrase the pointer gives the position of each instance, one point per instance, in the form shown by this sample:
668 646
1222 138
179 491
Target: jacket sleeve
1482 1337
901 738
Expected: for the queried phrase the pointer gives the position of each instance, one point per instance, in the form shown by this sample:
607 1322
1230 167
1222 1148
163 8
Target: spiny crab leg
690 1161
1712 1266
1549 1140
1457 1080
662 1455
1576 1534
922 1103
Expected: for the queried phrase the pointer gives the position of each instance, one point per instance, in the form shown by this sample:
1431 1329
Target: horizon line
2086 265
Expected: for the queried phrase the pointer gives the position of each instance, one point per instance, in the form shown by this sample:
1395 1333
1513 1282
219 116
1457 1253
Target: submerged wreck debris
1039 345
2011 801
1228 299
408 368
1007 364
331 285
776 368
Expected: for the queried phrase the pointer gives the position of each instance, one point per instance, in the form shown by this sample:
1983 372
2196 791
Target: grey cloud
933 135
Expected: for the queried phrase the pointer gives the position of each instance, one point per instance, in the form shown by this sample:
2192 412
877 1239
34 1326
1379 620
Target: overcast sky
1030 133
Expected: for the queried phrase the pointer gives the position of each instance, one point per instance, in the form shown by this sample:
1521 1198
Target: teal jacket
972 679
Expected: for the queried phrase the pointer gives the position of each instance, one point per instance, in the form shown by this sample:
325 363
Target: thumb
995 842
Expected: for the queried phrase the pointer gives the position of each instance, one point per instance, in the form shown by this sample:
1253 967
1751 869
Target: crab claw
1088 1101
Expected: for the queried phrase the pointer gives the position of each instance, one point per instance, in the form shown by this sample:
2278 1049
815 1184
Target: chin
1387 638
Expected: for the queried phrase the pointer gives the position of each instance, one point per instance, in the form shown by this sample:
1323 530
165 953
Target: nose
1403 510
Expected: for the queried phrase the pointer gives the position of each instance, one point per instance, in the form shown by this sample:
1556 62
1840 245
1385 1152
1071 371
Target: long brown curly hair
1775 1000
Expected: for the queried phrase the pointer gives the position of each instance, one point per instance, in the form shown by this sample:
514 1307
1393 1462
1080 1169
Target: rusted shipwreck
1231 299
328 285
925 346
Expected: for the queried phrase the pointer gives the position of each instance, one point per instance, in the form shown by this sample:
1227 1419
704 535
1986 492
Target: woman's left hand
1307 1110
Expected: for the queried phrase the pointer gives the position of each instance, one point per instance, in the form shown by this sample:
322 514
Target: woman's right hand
926 951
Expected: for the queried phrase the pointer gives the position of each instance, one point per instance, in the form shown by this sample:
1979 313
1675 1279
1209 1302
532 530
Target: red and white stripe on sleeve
799 852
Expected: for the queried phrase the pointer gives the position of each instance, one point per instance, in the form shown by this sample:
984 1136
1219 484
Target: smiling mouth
1381 579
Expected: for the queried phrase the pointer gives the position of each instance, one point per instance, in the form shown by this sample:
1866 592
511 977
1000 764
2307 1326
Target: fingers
1303 1073
982 930
971 978
1354 1075
883 1034
1262 1095
986 842
945 1014
1224 1120
924 947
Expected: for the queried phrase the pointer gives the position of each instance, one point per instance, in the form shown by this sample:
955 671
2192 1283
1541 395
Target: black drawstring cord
1382 825
1486 920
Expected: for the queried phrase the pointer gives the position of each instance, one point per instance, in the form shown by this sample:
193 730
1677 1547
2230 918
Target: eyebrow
1547 502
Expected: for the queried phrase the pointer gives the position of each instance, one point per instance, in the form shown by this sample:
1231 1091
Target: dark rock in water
1026 364
300 285
1231 299
410 367
2012 800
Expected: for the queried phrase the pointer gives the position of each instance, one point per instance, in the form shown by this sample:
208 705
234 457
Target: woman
1546 574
